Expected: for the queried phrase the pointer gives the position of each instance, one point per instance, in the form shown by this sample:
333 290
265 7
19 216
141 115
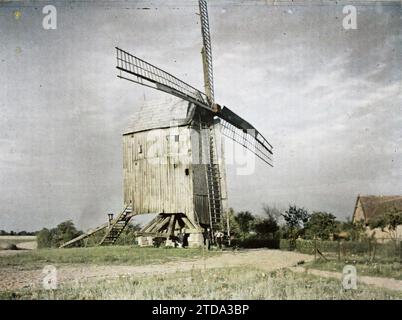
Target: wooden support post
375 250
400 251
315 248
339 250
187 222
151 224
162 223
172 224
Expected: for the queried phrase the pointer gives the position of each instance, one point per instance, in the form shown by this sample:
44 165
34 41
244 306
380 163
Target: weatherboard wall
157 172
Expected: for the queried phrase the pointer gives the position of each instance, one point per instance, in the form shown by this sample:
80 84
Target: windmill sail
137 70
245 134
206 51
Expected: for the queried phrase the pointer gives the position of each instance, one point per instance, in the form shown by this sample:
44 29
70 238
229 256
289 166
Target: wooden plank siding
154 165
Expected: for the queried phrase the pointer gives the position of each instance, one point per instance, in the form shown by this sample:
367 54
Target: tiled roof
378 205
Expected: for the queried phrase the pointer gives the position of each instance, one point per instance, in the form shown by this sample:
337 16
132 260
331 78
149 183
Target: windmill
172 159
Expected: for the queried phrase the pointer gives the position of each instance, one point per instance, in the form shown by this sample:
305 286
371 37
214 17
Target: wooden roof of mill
160 114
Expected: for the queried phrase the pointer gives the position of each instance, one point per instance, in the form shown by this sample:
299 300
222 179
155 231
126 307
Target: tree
128 237
295 219
388 222
271 212
244 220
267 226
233 225
321 225
352 230
64 232
43 238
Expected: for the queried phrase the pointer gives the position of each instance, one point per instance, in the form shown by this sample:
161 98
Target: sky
328 99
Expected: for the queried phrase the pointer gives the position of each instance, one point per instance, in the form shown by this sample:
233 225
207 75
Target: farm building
370 207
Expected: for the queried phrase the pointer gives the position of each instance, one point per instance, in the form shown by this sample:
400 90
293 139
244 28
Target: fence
368 249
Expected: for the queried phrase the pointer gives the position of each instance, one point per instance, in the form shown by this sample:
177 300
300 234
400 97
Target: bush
254 243
128 237
55 237
44 238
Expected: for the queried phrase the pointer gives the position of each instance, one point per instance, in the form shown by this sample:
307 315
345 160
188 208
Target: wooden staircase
214 184
116 227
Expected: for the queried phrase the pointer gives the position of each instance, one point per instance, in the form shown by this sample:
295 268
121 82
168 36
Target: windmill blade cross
243 133
139 71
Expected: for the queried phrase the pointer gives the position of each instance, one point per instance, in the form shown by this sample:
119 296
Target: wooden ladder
116 227
214 184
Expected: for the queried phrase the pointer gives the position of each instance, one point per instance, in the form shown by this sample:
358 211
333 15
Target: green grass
123 255
363 267
225 283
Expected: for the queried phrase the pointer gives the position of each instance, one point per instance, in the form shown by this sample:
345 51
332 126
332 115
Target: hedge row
253 243
387 249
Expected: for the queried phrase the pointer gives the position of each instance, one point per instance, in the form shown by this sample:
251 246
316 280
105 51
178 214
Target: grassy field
5 240
224 283
122 255
374 269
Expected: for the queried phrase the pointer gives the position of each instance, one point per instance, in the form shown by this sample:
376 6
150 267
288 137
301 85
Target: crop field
22 242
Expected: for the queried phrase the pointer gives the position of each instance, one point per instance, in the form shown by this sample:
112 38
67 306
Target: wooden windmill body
173 166
173 159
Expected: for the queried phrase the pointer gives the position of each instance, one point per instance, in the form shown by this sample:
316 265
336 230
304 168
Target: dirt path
380 282
268 260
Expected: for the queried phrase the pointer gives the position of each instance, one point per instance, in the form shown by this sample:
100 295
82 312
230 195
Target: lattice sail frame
246 139
137 70
207 51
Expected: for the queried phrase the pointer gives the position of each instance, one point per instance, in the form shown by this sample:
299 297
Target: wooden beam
151 224
192 230
172 224
159 226
85 235
152 234
187 222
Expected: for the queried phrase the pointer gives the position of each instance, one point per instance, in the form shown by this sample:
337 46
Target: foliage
235 231
367 249
321 225
13 233
272 213
267 227
244 220
53 238
388 222
44 238
127 237
254 242
295 219
350 230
